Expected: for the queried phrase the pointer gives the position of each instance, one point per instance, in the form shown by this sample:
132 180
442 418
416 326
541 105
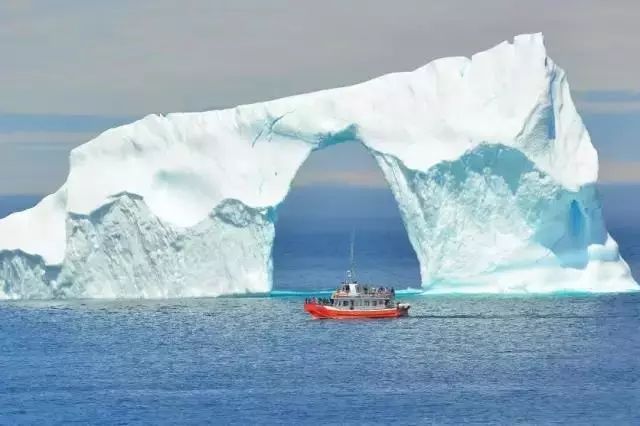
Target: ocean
540 359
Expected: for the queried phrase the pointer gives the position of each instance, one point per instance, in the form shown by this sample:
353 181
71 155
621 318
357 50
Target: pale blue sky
73 68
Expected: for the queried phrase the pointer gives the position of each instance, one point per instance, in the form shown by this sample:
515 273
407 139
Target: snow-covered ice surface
489 161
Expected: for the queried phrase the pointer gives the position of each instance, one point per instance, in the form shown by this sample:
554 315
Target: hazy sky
73 68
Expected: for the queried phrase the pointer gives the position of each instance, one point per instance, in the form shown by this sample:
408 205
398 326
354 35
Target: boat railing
367 294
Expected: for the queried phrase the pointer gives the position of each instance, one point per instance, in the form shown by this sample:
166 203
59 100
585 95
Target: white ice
492 168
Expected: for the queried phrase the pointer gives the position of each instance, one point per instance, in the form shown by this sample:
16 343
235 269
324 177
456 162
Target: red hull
322 311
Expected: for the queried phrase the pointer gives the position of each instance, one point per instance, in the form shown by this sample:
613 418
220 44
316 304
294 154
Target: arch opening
337 190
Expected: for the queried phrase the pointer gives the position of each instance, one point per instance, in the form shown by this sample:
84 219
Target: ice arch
487 157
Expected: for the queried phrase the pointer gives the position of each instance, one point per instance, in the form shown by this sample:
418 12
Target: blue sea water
570 359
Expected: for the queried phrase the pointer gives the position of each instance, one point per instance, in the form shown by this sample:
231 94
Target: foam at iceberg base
490 164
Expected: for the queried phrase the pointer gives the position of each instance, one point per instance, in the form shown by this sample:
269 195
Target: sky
72 68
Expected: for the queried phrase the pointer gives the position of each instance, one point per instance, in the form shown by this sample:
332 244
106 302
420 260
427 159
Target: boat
352 300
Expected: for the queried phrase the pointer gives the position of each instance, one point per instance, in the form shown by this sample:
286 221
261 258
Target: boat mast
352 263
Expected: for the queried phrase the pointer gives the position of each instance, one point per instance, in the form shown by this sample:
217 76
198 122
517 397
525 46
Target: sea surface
567 359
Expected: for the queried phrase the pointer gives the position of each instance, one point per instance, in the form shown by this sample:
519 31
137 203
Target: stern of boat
403 309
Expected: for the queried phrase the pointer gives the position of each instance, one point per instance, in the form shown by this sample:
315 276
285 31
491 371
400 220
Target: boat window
375 303
345 303
366 303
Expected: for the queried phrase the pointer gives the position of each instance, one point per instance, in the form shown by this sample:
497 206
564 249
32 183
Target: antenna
352 263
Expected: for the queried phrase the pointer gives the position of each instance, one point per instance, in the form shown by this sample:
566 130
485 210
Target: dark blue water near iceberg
570 359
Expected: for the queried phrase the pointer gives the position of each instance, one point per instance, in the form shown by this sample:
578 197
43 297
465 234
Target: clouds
348 164
619 171
34 148
123 57
609 101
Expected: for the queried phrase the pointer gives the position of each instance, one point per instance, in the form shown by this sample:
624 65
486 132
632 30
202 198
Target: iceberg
490 163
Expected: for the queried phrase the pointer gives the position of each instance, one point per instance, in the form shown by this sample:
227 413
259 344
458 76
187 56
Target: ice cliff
490 164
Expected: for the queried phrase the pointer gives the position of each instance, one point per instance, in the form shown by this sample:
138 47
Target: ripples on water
261 360
498 359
